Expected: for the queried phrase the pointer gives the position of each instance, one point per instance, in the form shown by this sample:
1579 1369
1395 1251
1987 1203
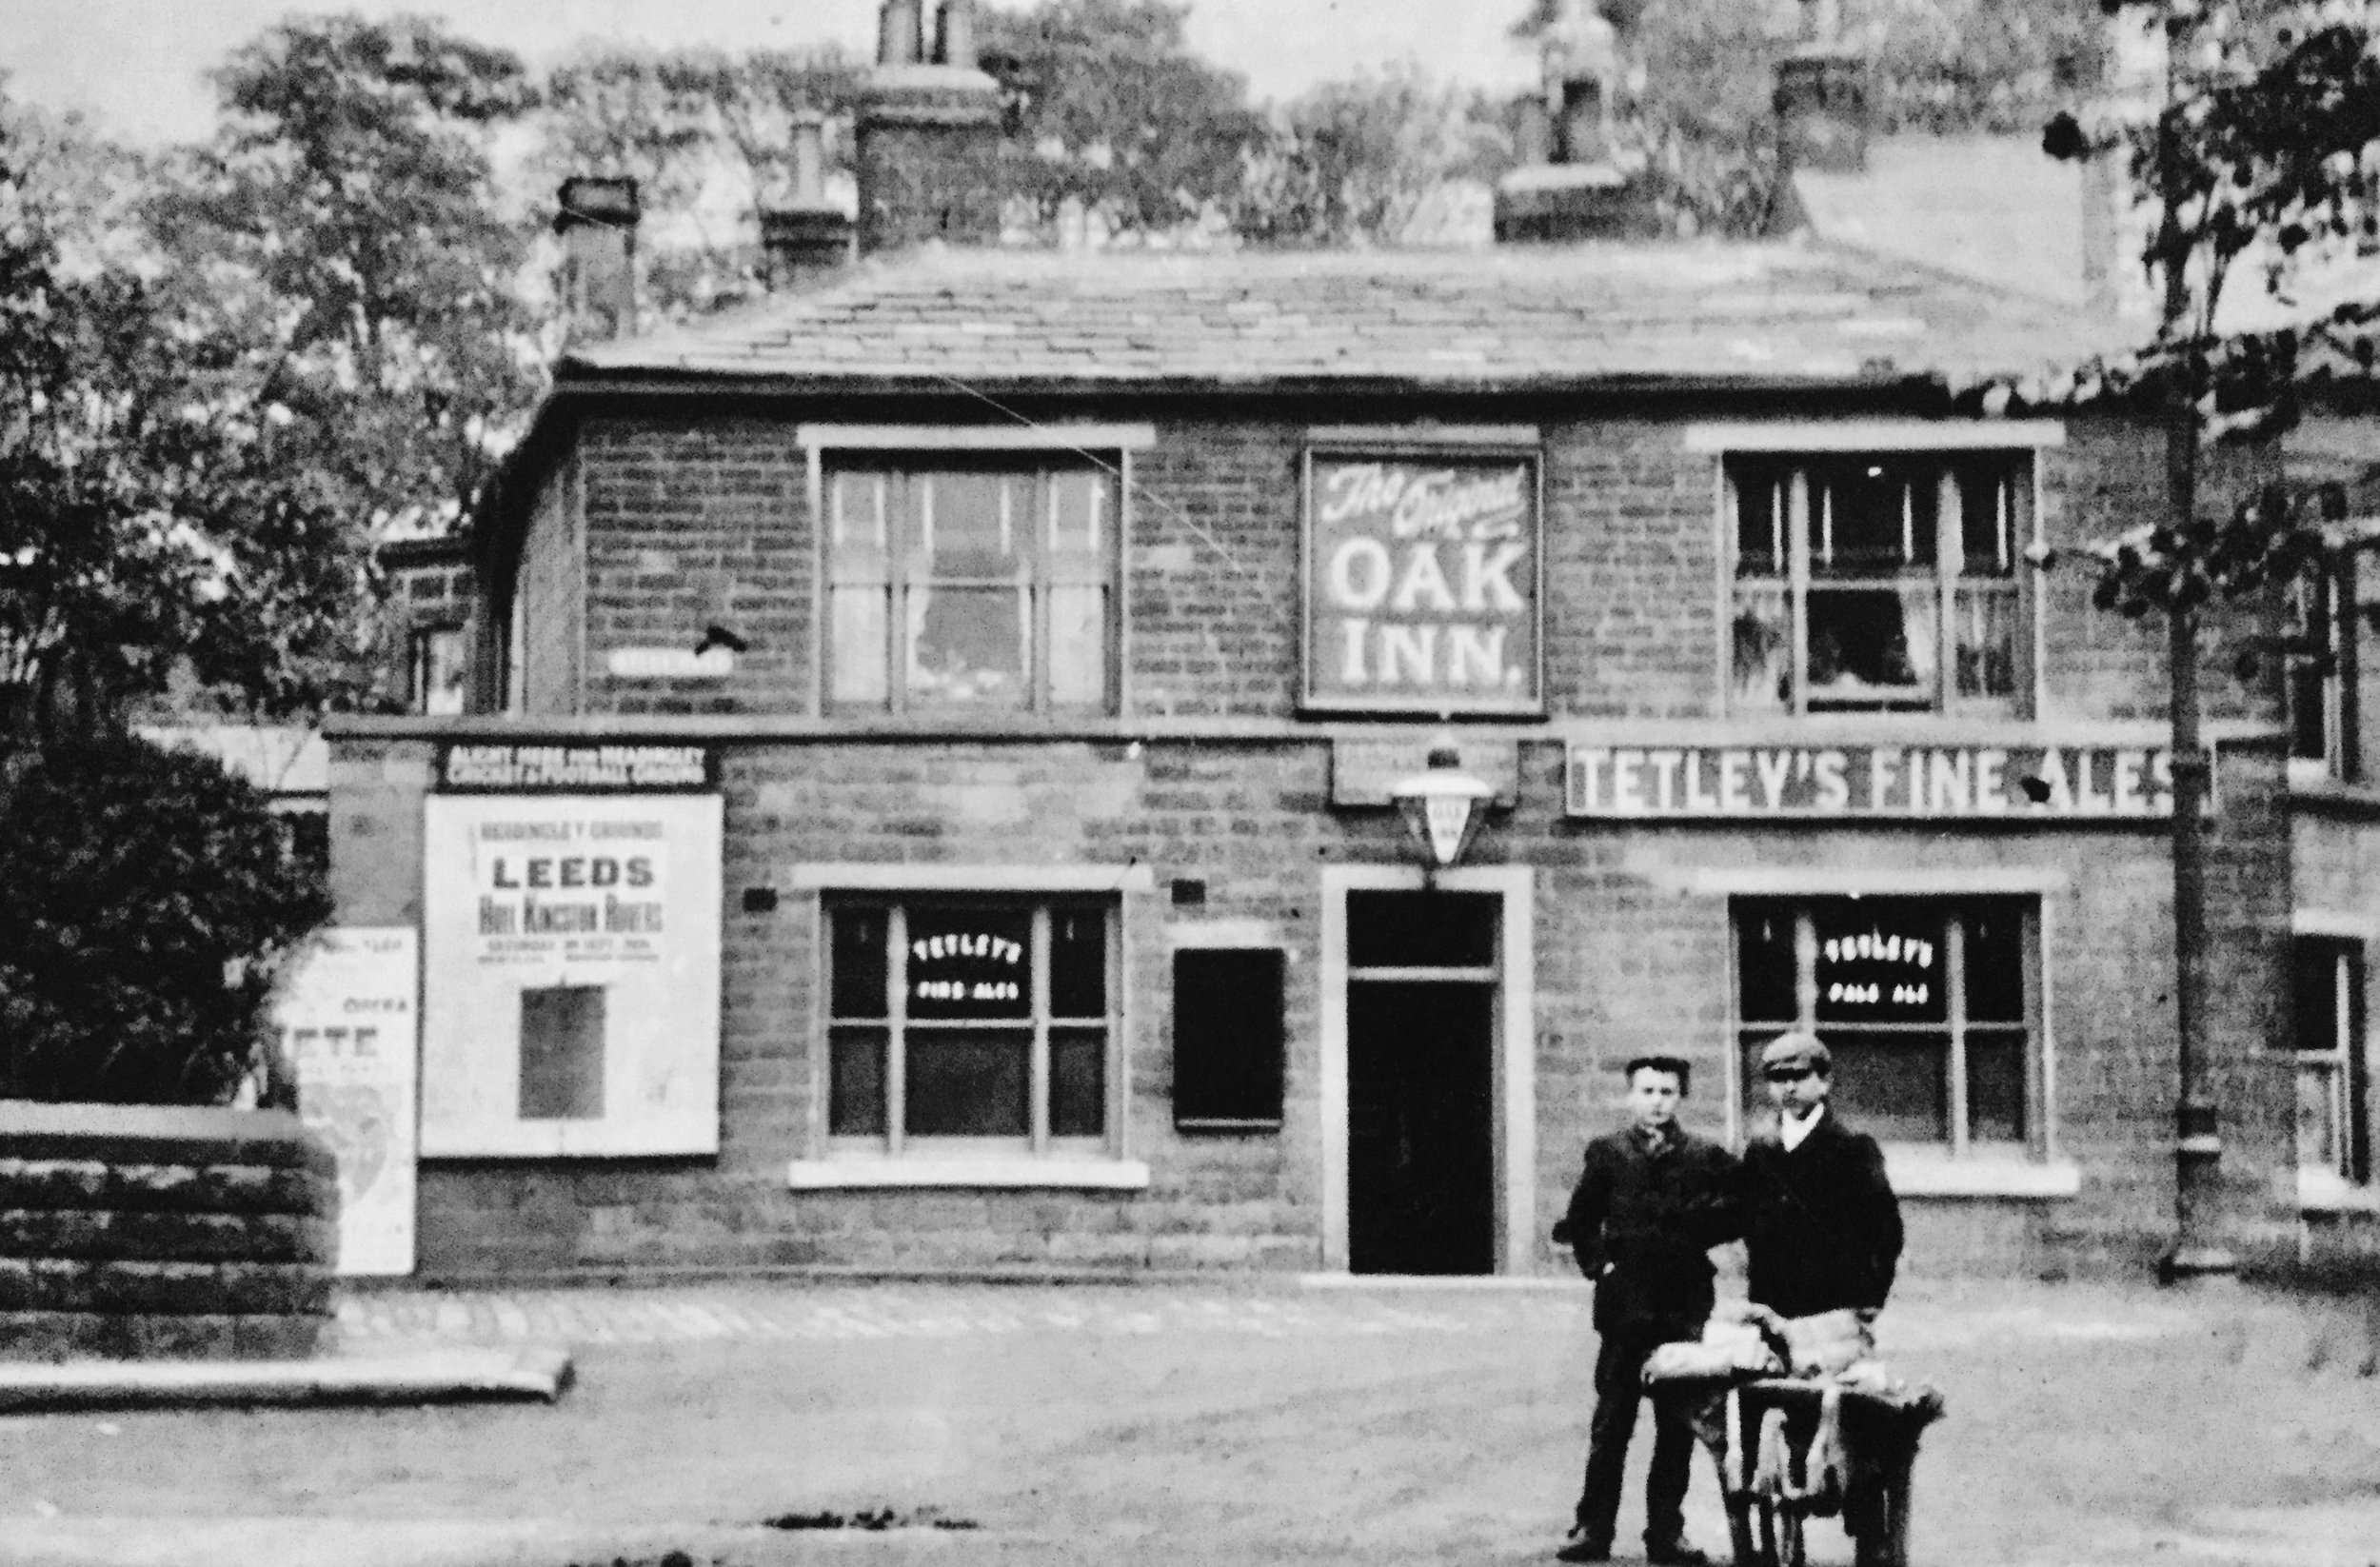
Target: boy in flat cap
1650 1204
1822 1229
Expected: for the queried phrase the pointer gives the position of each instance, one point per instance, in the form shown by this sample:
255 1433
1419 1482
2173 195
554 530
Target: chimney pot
810 158
901 25
956 44
1821 106
597 218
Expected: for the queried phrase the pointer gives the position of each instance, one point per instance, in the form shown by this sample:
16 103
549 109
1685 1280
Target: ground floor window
2332 1122
1928 1005
971 1025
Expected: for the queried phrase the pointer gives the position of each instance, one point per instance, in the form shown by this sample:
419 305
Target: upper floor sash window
1888 582
971 584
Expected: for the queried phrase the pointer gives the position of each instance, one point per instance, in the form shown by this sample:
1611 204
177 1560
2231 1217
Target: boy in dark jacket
1651 1203
1822 1229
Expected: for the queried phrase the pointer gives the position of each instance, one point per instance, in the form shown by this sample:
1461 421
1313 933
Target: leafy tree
152 898
343 243
1361 160
2264 155
145 529
1110 114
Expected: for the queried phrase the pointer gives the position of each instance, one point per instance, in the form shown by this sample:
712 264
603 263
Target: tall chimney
1573 182
597 218
808 239
926 151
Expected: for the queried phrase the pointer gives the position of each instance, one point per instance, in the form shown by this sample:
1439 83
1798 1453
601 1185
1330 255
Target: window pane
1986 637
1078 646
857 654
976 1084
561 1053
1421 929
2314 964
1995 963
1995 1085
1081 516
1762 637
1986 521
856 524
1764 965
1873 519
971 525
855 1088
1893 1086
857 962
1759 495
1078 1082
1078 963
969 647
1882 961
2319 1118
970 963
441 670
1871 647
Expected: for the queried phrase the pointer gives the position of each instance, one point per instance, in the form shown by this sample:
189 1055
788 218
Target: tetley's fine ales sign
1712 782
1421 583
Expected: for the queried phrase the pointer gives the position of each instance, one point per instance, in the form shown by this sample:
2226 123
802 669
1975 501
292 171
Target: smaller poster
348 1026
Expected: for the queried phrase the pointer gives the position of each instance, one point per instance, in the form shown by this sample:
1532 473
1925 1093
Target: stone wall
138 1232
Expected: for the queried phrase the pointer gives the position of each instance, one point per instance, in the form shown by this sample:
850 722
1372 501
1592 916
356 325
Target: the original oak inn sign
2094 783
1421 578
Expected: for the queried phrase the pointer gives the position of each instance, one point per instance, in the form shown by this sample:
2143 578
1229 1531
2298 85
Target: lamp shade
1442 805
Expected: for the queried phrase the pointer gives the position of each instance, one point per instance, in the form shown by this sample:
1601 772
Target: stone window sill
2325 1192
1112 1175
1928 1172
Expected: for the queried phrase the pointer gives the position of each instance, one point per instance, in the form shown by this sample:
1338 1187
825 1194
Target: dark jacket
1822 1230
1642 1225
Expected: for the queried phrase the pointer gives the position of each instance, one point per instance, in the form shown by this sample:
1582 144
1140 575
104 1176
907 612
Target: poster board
571 952
348 1014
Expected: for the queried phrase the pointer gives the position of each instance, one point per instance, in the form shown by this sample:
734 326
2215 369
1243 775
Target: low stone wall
138 1232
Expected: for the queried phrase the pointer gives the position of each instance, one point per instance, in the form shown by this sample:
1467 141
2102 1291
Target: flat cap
1796 1051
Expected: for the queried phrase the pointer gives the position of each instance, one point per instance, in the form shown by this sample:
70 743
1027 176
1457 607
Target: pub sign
1421 587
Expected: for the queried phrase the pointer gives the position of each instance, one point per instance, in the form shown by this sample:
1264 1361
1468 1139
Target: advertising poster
571 979
347 1019
1421 583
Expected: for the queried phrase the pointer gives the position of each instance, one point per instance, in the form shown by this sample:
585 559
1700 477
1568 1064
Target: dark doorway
1420 1103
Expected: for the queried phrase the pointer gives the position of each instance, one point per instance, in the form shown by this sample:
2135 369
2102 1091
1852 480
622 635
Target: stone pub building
926 797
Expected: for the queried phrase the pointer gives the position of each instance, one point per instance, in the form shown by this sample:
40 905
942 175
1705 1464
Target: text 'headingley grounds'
1905 781
468 766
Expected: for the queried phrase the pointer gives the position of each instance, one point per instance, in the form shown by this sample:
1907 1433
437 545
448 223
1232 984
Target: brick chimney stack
597 218
1572 183
928 143
808 239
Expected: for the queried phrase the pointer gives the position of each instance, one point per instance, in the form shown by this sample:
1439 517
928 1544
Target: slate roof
1611 314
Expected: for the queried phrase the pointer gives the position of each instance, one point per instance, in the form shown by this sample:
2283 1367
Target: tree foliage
152 897
1110 114
148 531
1362 160
2265 155
343 245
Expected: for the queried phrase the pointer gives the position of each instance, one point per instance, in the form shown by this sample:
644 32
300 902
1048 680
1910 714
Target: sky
138 67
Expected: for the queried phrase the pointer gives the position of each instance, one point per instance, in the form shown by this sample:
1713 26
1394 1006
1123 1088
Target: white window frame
1890 438
1108 446
845 1163
2036 1170
2336 1185
2314 616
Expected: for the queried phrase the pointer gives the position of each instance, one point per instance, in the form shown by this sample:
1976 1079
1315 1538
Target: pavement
1278 1421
